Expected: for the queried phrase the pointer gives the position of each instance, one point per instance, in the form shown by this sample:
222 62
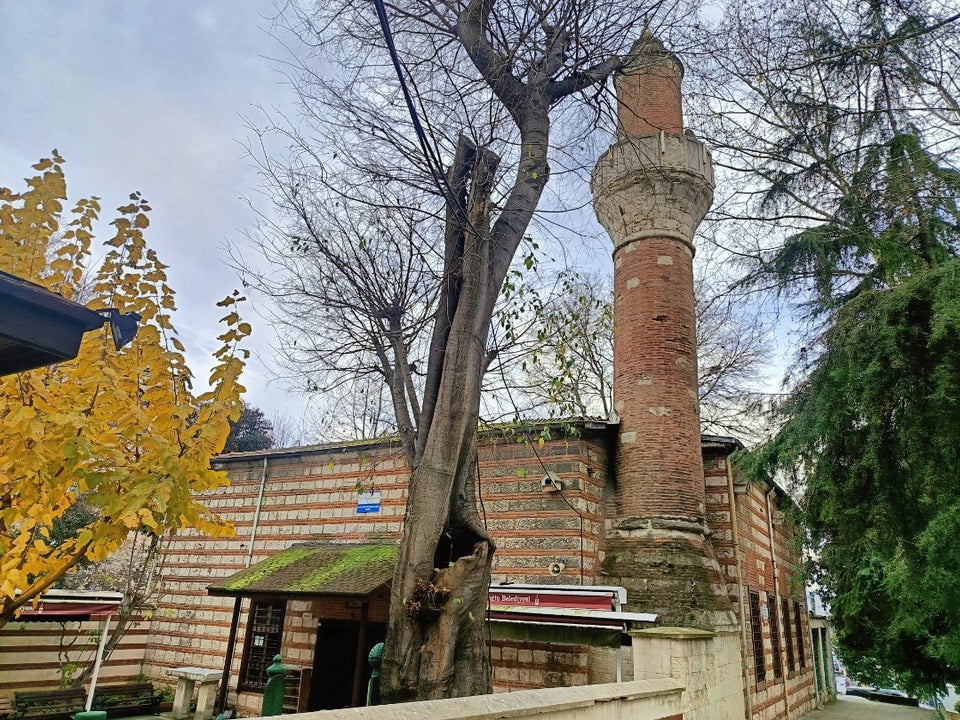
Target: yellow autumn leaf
115 429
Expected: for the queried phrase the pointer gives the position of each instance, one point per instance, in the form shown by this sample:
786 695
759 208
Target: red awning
59 611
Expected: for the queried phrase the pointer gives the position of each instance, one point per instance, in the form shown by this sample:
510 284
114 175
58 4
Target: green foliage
845 134
897 216
251 431
873 436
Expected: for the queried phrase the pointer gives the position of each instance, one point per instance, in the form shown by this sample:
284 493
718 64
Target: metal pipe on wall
235 619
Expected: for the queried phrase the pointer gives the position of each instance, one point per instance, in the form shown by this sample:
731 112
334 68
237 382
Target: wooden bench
49 704
116 700
6 706
124 700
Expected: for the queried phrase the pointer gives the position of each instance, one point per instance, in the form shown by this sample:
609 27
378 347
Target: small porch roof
315 569
71 605
38 327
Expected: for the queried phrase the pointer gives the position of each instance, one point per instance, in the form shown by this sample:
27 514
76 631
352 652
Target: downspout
735 530
235 620
776 596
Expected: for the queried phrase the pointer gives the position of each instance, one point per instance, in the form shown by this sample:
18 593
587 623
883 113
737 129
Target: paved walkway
854 708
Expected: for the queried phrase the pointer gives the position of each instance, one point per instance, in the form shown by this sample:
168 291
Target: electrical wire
433 162
563 497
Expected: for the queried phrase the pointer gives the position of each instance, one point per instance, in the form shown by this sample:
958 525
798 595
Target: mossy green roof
315 569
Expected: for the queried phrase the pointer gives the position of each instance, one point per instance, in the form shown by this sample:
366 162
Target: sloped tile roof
315 570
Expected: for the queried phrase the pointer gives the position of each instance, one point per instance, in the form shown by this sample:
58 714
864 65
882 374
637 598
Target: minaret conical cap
649 50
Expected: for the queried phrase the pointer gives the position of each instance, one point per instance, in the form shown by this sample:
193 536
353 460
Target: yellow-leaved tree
119 428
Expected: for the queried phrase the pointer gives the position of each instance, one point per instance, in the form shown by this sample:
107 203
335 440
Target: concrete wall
706 664
637 700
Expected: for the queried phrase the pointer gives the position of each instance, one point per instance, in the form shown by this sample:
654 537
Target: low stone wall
708 666
635 700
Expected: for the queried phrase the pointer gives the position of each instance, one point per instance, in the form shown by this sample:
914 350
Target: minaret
651 190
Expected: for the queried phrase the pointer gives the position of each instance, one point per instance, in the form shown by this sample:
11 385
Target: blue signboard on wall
368 502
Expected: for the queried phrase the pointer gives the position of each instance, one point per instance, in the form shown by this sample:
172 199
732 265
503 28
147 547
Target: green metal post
91 715
373 687
275 688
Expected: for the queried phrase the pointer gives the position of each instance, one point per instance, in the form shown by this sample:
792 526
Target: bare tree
486 79
568 370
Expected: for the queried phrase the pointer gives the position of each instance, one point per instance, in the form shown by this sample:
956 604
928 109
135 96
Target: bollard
91 715
274 689
373 687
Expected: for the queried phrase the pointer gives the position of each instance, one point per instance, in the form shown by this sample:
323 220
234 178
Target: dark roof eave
721 441
584 425
39 327
23 291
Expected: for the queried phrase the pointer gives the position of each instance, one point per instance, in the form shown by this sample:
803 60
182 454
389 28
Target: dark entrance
340 667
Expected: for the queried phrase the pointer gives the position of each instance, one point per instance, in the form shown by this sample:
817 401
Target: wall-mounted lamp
122 327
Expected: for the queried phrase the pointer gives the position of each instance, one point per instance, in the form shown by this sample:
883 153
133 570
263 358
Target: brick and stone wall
41 655
523 665
312 494
750 541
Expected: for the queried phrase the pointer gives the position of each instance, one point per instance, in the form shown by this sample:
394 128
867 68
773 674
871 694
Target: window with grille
798 626
788 635
759 665
264 633
775 641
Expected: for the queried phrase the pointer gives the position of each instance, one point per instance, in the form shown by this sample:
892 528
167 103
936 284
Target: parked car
886 695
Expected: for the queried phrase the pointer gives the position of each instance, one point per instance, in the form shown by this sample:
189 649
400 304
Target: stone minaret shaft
651 190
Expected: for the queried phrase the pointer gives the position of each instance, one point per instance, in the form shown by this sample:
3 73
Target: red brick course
648 100
655 381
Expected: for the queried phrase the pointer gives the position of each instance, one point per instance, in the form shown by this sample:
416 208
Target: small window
775 641
264 633
788 635
798 626
759 663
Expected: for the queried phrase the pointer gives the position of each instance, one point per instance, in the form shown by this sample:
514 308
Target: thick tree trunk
435 641
435 646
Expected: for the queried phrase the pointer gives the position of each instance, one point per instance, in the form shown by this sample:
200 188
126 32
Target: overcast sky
151 97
